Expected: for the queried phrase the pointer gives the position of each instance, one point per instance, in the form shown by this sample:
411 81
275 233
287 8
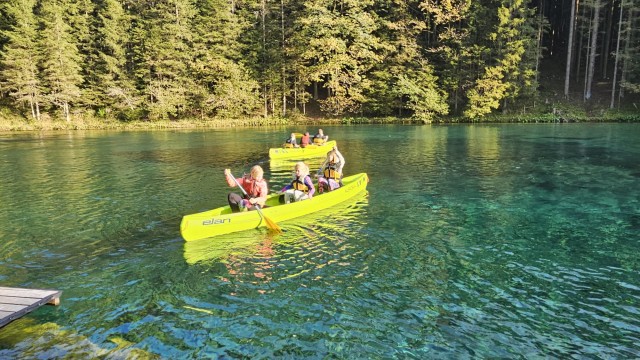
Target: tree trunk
65 109
264 55
572 25
615 66
588 51
627 52
606 43
295 93
592 54
284 80
455 97
539 42
580 46
273 96
33 107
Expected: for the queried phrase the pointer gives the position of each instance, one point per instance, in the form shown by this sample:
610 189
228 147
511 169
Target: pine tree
487 93
20 55
617 56
79 14
110 81
219 65
163 38
61 58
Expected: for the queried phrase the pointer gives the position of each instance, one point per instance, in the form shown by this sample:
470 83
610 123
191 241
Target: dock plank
28 293
16 302
10 307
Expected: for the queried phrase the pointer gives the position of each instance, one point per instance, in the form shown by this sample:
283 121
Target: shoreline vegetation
15 123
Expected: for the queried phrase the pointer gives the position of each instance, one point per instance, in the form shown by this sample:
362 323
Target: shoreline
17 125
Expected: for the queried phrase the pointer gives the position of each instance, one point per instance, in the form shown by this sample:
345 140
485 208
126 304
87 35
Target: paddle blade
271 224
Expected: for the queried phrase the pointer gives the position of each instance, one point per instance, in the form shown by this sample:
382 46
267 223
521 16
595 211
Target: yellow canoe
222 221
299 153
244 244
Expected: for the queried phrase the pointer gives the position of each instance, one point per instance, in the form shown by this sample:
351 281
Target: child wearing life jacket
320 138
330 173
301 188
255 186
291 141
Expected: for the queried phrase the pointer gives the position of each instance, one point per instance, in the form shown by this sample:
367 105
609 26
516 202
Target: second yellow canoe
300 153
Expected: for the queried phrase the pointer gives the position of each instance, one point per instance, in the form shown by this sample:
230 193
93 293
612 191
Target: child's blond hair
304 169
332 156
257 172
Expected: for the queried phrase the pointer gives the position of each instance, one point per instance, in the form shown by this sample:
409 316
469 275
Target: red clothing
305 140
255 189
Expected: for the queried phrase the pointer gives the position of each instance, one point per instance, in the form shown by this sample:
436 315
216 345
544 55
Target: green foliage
451 46
485 96
224 84
236 95
180 59
422 94
342 48
61 65
20 56
110 84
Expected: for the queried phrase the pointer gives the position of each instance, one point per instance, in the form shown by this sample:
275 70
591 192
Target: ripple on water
476 242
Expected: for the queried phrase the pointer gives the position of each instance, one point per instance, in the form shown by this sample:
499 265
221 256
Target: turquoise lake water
474 241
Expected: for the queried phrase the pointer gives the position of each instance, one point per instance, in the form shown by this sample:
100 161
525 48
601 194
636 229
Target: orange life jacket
330 172
298 184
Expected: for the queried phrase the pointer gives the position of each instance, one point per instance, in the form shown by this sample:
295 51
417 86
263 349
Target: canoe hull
222 221
301 153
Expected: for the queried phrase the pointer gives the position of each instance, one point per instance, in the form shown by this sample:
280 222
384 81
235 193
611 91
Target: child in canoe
330 173
320 138
301 188
291 141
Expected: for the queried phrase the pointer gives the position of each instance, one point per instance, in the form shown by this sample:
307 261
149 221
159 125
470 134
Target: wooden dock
16 302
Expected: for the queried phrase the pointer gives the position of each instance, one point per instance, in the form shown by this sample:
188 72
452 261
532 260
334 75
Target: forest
424 60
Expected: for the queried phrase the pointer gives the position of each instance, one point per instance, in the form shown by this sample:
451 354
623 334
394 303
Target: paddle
270 223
